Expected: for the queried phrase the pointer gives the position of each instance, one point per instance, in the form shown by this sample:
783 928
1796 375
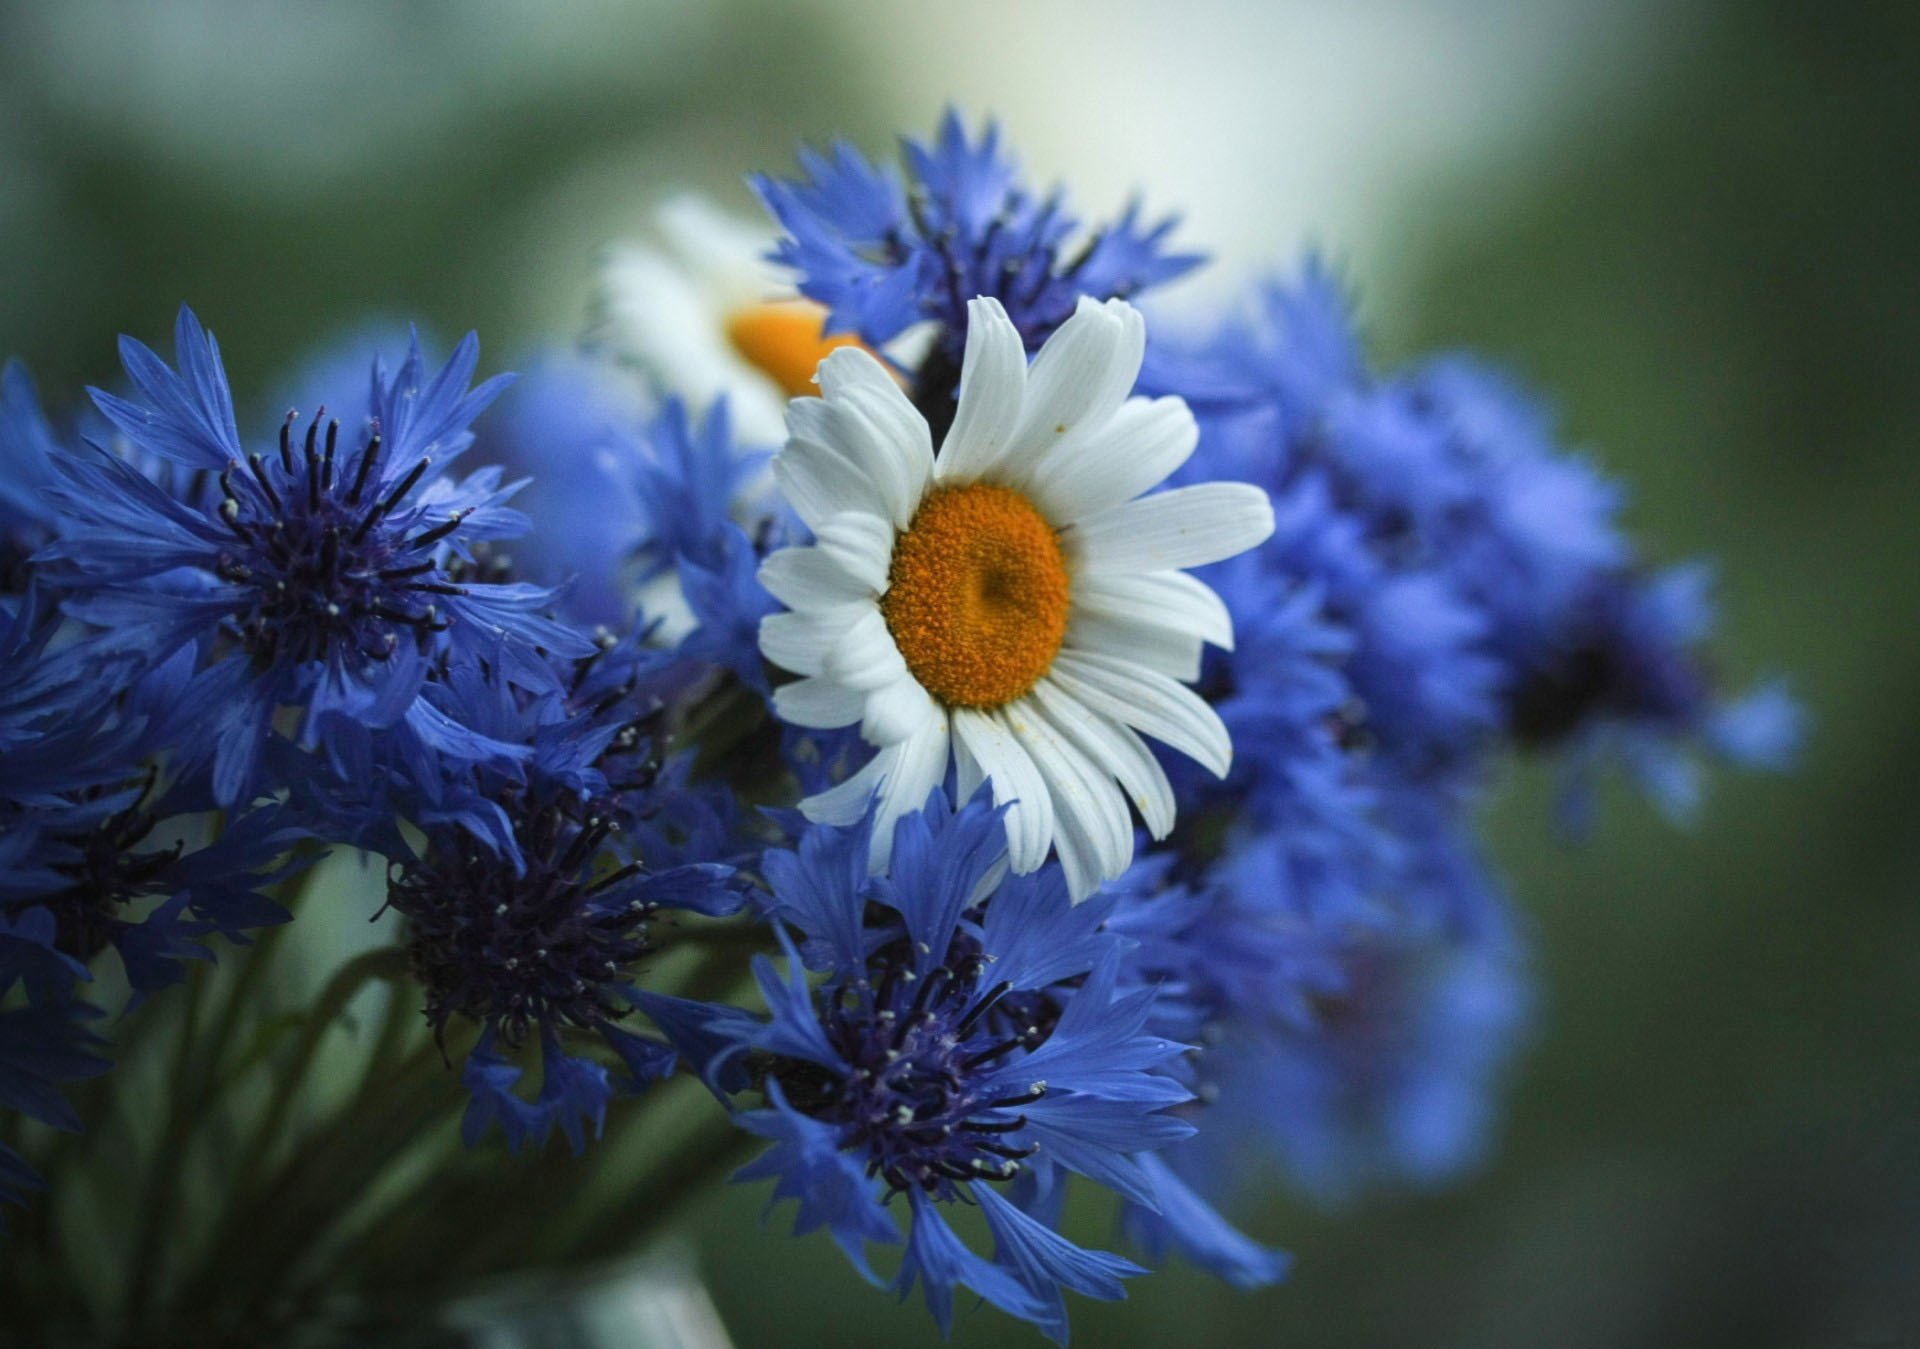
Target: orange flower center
786 340
977 595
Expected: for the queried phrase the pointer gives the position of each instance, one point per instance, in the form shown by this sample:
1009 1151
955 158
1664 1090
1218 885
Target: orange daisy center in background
786 340
977 595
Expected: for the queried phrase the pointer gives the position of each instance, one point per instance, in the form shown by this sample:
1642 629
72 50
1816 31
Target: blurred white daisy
1015 605
702 312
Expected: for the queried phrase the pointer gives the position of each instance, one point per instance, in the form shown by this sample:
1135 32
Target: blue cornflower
330 574
664 512
541 880
28 448
697 486
1535 523
968 1044
51 701
1361 489
332 372
46 1042
1478 565
536 951
1339 1049
573 424
1296 816
91 831
884 254
131 866
1624 681
689 476
1392 1081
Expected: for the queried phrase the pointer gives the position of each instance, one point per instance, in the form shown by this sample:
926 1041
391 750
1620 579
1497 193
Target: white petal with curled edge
818 481
896 711
1081 376
918 769
1140 445
865 657
1092 829
819 703
845 802
810 578
1169 531
1168 599
880 431
1118 750
993 382
804 641
1001 760
861 543
1151 703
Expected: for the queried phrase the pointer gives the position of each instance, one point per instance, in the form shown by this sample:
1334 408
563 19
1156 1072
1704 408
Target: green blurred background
1697 227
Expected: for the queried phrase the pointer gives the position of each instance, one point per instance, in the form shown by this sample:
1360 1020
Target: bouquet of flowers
922 737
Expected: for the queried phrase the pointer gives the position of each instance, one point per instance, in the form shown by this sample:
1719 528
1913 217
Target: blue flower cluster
221 655
1444 583
970 1042
885 251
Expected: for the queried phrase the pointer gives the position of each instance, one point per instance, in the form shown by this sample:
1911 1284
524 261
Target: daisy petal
993 385
879 430
1173 654
816 481
819 703
803 642
1143 442
1151 703
1186 527
1115 749
810 578
1001 760
896 711
862 544
1171 600
1090 815
1081 375
920 765
845 802
863 655
968 774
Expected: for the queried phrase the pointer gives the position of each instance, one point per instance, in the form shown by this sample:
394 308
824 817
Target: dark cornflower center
1599 677
512 949
1015 259
915 1097
15 569
106 876
322 569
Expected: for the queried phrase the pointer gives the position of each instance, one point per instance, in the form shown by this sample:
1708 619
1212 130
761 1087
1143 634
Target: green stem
707 1155
254 963
384 962
577 1188
717 703
263 1234
169 1161
726 934
387 962
393 1030
313 1195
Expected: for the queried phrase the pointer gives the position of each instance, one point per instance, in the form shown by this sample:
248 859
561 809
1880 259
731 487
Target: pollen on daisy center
977 595
786 340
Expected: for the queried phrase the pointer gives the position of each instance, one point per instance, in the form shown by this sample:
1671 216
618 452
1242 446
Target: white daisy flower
1015 605
705 314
